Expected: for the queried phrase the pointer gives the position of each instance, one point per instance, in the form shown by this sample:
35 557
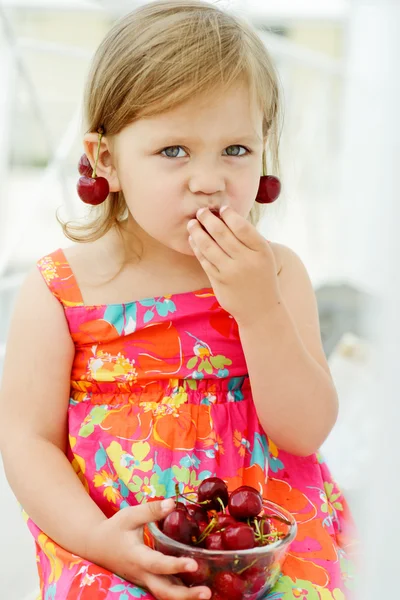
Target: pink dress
160 395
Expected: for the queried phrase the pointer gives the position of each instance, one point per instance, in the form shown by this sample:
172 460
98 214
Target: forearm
295 398
49 490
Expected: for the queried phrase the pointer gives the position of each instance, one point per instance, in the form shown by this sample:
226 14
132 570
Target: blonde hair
154 59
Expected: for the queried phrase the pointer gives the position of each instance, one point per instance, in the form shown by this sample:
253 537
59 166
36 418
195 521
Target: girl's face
205 153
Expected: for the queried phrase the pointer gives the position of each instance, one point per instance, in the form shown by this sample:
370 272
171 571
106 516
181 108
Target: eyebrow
173 137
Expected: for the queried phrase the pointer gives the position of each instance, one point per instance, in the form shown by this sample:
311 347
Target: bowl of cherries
238 539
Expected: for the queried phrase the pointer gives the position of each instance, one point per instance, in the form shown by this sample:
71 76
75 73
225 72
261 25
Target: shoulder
293 276
38 314
286 260
35 288
39 356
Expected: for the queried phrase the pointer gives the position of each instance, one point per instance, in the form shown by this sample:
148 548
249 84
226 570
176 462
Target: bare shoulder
35 299
299 297
37 364
294 281
287 261
38 317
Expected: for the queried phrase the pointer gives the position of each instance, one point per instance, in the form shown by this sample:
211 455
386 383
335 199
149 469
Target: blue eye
171 151
233 150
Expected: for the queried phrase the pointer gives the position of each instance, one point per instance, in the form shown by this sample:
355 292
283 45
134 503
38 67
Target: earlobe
105 166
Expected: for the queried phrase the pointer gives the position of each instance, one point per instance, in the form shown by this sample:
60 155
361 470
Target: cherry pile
222 522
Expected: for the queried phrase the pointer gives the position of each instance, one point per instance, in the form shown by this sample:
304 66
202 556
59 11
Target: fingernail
204 596
221 210
167 504
200 211
191 566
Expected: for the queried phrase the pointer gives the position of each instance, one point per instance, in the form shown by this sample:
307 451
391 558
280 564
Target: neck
140 248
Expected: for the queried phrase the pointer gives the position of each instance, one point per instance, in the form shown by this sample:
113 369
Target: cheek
244 192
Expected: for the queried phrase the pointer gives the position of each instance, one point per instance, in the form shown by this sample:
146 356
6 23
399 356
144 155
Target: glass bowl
247 574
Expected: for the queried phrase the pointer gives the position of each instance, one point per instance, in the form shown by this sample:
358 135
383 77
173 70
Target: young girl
176 343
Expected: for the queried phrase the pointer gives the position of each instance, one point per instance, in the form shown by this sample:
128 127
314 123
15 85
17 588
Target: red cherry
245 502
238 537
214 542
252 572
255 577
229 585
84 166
223 521
197 513
179 527
269 189
93 191
257 584
199 577
210 490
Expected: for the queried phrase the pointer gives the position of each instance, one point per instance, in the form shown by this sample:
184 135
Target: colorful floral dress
160 395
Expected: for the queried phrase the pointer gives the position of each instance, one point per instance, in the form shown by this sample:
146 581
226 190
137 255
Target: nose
207 179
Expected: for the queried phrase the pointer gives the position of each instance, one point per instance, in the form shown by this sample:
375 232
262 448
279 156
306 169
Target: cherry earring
92 189
269 188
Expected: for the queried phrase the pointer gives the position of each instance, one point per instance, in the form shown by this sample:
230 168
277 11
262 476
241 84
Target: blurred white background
337 61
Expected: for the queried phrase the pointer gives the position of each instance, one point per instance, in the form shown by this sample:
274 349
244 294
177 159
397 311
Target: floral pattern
160 397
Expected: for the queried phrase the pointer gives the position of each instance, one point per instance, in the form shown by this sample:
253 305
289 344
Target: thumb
149 511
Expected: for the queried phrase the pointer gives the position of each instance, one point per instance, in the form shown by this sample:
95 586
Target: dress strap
58 275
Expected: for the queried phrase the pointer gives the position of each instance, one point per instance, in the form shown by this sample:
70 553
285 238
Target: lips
215 211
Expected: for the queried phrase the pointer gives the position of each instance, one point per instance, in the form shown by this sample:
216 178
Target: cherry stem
221 504
207 530
264 163
281 519
258 531
272 537
101 133
247 567
177 494
185 495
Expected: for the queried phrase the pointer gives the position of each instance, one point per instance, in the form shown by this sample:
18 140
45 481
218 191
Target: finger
209 267
165 588
220 232
206 244
139 515
242 229
161 564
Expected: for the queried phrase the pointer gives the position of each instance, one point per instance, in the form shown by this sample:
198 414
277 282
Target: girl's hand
117 545
238 261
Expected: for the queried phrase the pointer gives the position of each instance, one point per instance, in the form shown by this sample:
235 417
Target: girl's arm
33 438
293 391
34 399
278 324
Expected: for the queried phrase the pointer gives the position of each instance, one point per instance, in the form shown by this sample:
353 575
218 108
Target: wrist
95 541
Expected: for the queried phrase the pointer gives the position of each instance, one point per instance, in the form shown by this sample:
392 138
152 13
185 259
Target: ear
105 165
